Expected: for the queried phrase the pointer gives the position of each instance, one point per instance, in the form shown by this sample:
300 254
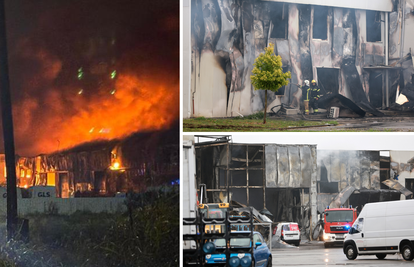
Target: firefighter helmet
313 81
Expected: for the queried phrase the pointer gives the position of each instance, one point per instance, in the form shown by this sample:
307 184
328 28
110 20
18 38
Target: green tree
268 73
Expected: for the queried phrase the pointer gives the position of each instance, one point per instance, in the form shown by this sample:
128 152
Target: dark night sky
48 41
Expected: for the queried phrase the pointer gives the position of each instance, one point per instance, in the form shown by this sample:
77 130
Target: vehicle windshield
339 216
214 213
234 242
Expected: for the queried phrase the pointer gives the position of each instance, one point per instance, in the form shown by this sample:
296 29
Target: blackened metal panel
282 166
394 184
375 180
354 171
282 47
293 37
342 197
323 201
365 173
354 83
271 166
304 41
338 38
294 166
228 26
394 33
335 175
306 164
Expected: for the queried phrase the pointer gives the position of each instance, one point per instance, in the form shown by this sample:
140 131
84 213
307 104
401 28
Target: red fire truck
337 222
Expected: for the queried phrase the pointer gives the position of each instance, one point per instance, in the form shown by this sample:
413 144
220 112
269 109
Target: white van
288 232
382 228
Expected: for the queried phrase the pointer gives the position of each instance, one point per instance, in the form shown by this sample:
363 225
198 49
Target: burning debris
362 55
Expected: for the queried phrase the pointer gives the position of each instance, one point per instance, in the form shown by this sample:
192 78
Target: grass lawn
249 124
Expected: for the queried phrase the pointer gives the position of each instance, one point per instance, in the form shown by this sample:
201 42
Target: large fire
61 117
61 46
138 104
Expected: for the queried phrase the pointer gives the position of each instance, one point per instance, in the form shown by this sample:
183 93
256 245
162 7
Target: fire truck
337 222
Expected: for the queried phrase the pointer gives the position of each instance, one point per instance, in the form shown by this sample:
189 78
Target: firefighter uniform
313 96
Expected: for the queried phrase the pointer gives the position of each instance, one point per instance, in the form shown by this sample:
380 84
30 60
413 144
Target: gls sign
43 194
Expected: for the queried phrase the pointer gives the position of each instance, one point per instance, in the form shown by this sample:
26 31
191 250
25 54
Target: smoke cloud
49 41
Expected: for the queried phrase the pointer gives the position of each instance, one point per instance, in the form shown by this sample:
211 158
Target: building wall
339 169
280 178
402 166
226 37
26 206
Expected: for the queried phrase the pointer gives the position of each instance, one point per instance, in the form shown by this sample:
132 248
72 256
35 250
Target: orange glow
115 166
140 103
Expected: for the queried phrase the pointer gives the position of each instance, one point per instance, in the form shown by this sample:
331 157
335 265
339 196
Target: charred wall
134 163
227 36
340 169
276 177
402 168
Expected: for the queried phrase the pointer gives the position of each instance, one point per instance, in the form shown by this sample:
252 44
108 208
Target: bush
147 236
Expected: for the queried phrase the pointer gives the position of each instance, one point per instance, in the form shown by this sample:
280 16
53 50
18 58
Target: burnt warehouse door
328 80
375 88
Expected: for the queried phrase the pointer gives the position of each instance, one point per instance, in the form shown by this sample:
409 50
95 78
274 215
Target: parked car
382 228
288 232
262 256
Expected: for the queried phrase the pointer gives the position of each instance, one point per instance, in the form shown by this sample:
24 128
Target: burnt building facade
297 182
104 168
358 49
279 178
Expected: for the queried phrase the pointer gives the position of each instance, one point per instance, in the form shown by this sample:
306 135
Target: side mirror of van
258 244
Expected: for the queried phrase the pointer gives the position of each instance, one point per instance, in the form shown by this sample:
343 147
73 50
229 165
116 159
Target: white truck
382 228
189 191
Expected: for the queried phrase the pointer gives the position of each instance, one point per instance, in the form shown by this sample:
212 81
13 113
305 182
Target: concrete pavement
315 254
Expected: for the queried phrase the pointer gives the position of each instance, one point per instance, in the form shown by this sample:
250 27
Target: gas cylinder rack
196 257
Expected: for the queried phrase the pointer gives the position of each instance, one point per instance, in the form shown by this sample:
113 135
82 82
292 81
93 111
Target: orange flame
140 103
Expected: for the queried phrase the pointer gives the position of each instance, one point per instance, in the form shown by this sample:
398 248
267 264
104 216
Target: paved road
316 255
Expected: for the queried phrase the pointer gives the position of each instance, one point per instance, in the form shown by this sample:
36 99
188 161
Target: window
257 238
339 216
279 16
373 26
328 80
320 22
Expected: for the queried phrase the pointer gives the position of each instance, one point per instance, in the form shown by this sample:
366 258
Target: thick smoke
50 40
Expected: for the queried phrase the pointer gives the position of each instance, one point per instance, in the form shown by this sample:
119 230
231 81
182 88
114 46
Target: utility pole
6 113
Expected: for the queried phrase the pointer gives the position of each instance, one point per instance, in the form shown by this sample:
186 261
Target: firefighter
313 96
305 89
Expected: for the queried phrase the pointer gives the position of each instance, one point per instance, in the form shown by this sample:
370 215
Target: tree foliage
267 72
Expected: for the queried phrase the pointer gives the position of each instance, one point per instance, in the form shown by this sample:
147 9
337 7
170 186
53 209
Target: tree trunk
264 119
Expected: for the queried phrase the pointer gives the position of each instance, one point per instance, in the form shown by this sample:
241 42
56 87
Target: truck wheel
381 256
351 252
407 253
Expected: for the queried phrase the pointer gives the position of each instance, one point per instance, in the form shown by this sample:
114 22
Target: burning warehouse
296 183
359 51
103 168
